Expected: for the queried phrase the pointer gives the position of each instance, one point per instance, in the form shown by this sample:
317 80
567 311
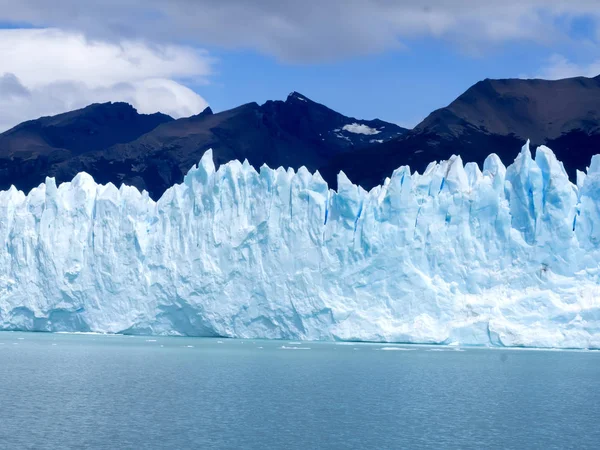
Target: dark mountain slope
115 144
536 109
493 116
92 128
30 151
292 133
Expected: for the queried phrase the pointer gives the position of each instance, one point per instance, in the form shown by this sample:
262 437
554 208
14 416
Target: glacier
498 256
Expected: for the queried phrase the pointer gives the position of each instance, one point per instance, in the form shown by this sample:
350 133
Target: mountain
493 116
504 257
91 128
292 133
114 143
529 109
30 151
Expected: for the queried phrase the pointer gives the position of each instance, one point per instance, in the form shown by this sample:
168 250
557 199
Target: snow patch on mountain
359 128
341 136
502 256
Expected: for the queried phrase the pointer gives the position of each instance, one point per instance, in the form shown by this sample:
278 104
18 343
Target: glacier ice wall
503 256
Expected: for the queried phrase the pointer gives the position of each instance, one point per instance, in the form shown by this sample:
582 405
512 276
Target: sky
396 60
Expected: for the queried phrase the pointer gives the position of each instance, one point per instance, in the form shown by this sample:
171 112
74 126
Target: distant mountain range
492 116
114 143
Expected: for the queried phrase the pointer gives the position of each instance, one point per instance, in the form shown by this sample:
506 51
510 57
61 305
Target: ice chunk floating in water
503 256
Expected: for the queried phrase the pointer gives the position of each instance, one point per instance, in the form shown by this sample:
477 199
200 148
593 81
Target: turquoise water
61 391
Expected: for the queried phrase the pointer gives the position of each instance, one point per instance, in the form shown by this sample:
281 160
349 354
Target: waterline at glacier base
506 256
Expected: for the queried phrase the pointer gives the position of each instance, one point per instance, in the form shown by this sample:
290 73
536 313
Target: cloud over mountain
47 71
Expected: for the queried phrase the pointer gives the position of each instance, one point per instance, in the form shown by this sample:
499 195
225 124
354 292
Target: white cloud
558 66
309 30
131 50
48 71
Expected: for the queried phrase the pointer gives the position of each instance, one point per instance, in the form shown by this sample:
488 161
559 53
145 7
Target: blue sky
401 86
396 60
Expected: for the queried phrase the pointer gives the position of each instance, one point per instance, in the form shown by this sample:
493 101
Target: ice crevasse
499 256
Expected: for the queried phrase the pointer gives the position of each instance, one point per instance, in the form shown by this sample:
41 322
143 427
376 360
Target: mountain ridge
561 114
293 133
116 144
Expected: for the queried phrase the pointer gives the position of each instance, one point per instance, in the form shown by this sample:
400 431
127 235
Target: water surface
62 391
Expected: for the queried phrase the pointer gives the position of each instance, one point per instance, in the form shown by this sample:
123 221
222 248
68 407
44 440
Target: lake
62 391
